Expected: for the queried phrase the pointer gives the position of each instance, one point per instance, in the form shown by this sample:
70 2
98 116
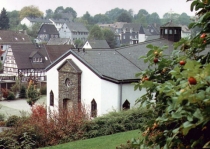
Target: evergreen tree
4 20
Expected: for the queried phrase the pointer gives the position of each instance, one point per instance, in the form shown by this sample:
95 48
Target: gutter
120 96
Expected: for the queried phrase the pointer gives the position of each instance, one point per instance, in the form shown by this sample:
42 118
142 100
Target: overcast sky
101 6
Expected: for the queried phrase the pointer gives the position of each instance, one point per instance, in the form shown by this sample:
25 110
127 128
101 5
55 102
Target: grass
104 142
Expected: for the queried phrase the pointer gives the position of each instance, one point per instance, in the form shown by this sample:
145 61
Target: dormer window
0 38
131 30
16 38
23 38
37 59
44 30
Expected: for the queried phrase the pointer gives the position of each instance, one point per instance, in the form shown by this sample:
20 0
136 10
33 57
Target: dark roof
119 65
58 41
59 20
48 29
7 36
170 24
23 53
78 27
97 44
135 26
55 51
38 19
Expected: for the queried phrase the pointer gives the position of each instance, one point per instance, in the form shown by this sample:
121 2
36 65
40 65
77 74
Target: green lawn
104 142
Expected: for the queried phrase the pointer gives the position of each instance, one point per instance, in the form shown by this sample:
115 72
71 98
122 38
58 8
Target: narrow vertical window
51 99
126 105
93 108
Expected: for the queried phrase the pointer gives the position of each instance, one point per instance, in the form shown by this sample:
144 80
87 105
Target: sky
101 6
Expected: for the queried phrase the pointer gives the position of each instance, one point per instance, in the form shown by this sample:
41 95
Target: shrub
32 94
5 92
12 121
8 142
22 93
43 90
11 96
2 117
115 122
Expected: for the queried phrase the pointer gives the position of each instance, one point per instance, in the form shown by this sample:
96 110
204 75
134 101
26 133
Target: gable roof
170 24
135 26
77 27
59 20
7 36
58 41
38 19
98 44
48 29
23 54
119 65
55 51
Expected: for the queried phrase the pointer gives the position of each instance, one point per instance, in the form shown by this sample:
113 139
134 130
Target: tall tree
101 18
30 11
14 19
70 10
59 9
142 17
124 17
184 19
109 36
114 13
96 33
154 18
49 13
4 20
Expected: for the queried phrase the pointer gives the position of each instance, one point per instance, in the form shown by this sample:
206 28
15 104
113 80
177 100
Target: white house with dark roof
101 78
96 44
58 22
74 31
29 21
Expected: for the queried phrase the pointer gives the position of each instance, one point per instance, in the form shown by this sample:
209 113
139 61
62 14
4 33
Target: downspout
120 96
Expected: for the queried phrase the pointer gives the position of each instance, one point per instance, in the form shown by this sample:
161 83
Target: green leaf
176 115
176 130
147 84
198 114
194 3
186 127
150 46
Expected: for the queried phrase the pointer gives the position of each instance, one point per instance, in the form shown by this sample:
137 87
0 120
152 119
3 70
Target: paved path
17 107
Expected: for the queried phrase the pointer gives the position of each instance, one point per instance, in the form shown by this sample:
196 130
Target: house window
51 98
131 42
170 31
126 105
166 31
93 108
131 30
2 58
123 36
130 37
174 31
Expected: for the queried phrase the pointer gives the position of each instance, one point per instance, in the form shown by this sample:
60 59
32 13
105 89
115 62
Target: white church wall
110 96
129 94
